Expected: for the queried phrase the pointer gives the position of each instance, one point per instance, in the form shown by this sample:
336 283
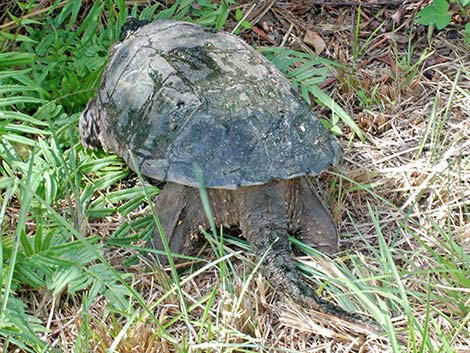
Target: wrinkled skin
287 207
266 215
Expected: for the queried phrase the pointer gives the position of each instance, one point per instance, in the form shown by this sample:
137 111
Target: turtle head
89 125
131 26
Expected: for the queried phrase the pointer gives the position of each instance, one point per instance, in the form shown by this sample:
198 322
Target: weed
437 15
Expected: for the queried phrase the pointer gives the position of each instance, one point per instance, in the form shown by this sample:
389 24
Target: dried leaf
314 40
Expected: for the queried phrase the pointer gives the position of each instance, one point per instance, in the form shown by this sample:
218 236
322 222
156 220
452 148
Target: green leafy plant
467 33
243 24
436 14
306 72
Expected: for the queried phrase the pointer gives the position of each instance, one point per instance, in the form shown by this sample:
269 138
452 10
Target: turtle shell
181 96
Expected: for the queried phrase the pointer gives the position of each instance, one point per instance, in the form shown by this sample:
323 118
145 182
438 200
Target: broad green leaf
437 14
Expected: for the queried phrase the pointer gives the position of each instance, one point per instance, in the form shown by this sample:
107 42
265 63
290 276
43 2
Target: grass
74 270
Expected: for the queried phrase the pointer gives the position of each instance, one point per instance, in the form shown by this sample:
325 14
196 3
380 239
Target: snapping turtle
178 96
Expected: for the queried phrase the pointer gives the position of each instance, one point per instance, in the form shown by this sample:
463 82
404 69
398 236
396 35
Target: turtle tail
89 125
